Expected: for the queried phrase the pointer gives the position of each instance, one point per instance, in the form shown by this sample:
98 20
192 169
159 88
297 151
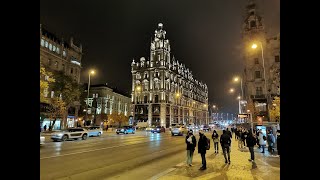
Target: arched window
252 24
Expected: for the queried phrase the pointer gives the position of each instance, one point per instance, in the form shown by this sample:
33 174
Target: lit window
58 50
54 48
64 53
46 78
46 44
42 42
50 47
52 94
45 92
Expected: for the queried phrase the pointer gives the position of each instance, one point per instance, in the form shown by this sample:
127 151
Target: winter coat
202 144
225 140
215 137
251 141
261 141
193 145
270 139
229 133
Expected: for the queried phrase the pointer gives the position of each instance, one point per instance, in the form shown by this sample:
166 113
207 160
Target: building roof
53 37
114 89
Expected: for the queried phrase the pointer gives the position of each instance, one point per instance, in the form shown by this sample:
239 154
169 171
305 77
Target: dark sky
204 35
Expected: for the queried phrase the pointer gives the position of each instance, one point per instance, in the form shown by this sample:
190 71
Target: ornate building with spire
164 90
261 76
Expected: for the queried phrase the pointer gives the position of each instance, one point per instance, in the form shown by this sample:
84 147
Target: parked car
94 131
158 129
70 133
126 130
42 139
179 130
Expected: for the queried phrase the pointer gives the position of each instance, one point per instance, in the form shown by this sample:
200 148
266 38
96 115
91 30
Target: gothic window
252 24
156 98
145 75
257 74
258 90
64 53
58 50
256 61
54 48
276 58
46 44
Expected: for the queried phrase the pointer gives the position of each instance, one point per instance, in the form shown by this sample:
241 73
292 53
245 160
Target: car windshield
158 126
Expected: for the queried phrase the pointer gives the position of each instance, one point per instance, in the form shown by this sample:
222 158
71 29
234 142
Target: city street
145 156
138 156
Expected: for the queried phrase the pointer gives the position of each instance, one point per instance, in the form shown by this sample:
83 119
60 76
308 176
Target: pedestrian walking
225 141
215 137
271 141
202 148
240 142
244 136
45 127
191 144
229 132
262 140
251 141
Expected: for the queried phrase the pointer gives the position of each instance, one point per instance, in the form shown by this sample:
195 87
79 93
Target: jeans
251 152
204 162
262 146
226 149
189 156
216 146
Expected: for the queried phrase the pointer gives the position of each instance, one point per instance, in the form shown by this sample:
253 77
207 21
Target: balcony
262 96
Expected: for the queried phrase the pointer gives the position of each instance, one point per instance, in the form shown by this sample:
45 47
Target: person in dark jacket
229 132
278 142
202 149
215 137
251 141
191 144
225 141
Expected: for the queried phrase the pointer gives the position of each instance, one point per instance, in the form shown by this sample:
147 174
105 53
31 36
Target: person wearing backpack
215 137
225 141
202 149
262 140
191 144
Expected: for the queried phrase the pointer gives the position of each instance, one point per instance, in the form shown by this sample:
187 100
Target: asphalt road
111 156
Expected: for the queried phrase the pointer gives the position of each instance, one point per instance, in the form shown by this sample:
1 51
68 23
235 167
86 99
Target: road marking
81 152
162 174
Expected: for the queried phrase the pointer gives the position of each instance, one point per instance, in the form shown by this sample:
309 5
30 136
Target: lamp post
91 72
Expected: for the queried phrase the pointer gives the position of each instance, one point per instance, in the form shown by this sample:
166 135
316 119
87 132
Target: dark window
253 24
156 98
256 61
71 70
145 99
251 13
257 74
258 90
276 58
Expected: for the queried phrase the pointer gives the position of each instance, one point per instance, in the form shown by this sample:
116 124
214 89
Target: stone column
149 114
163 114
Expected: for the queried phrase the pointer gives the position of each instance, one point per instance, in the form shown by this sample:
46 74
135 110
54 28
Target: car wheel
99 134
64 137
84 137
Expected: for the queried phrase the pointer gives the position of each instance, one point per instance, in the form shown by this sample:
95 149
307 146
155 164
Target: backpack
264 138
208 144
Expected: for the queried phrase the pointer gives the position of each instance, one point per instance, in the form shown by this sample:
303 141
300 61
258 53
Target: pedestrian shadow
254 165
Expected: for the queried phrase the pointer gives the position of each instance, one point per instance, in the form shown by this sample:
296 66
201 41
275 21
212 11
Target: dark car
158 129
206 128
126 130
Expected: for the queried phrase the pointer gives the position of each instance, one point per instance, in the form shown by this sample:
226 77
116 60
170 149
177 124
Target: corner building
164 90
261 74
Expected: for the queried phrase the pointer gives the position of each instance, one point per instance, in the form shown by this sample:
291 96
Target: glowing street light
231 90
214 106
239 97
138 88
90 72
236 79
254 46
177 95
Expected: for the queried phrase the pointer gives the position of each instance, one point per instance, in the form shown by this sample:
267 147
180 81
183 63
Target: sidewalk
264 167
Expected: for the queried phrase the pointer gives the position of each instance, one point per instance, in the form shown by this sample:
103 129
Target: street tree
46 79
67 90
275 110
57 110
118 118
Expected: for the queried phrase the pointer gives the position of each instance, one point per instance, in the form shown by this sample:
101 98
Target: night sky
205 35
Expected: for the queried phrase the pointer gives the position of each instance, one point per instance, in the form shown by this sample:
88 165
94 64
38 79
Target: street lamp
90 72
231 90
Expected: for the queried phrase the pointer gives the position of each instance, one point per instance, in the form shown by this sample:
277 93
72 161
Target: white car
71 133
94 131
179 130
42 139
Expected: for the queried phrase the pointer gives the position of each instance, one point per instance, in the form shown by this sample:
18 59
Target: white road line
162 174
81 152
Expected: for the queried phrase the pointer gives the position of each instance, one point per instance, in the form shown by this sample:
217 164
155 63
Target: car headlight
158 129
